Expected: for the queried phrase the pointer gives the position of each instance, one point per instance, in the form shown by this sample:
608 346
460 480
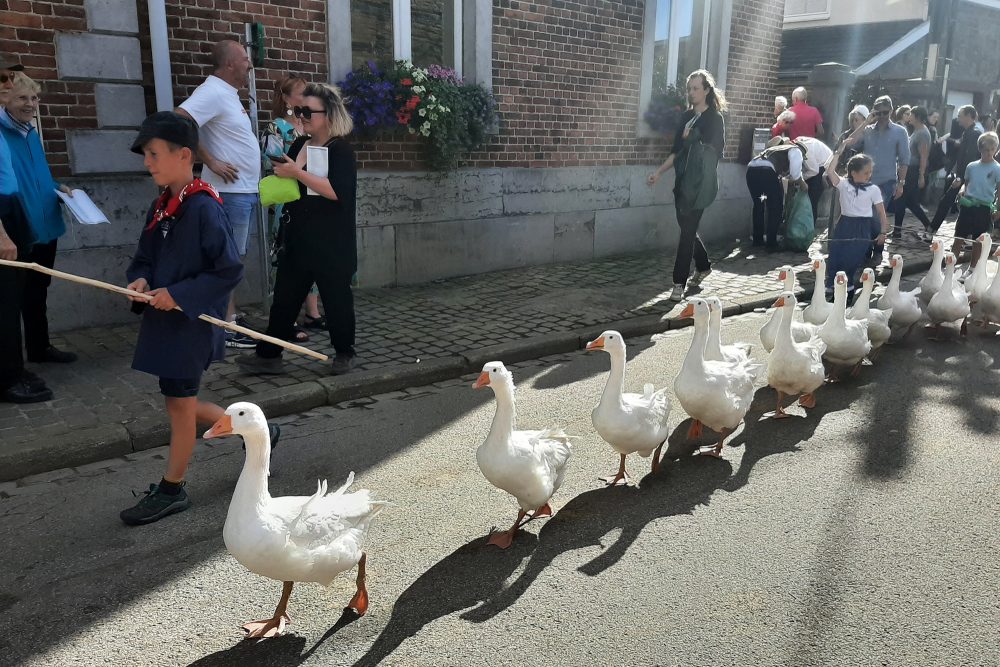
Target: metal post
263 249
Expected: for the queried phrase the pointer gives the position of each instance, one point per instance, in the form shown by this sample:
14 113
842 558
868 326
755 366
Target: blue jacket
8 181
197 262
36 187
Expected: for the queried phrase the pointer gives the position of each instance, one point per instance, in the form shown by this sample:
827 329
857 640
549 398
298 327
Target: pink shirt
807 119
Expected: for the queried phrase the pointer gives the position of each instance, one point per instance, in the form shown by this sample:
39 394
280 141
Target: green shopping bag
278 190
800 228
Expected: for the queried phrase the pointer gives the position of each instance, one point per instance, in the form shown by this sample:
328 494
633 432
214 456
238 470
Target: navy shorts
180 388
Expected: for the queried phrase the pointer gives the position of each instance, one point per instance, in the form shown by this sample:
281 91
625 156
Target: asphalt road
862 534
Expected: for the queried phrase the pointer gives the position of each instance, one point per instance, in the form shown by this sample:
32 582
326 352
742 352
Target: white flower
419 90
427 125
426 131
422 112
432 98
411 130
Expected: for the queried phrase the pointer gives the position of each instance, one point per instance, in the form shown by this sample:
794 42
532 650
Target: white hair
781 101
786 116
800 94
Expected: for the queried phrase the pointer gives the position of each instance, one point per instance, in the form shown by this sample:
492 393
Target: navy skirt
850 247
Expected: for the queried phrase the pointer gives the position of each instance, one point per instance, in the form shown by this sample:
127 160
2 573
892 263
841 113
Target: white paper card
83 208
317 164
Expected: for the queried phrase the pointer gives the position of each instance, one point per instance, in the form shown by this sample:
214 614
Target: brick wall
566 73
754 53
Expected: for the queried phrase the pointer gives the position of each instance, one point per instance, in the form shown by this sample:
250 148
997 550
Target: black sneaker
342 363
254 363
24 391
155 506
52 355
239 341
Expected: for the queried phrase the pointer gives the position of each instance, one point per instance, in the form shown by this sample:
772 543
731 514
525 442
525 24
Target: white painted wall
847 12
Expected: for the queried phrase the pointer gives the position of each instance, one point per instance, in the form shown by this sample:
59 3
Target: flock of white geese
315 538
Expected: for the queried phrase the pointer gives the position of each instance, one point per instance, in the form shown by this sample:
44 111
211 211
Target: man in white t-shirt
813 167
228 147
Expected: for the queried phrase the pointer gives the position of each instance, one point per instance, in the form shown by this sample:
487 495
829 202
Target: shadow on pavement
586 519
472 574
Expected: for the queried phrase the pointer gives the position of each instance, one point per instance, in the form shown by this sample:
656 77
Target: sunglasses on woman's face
6 78
306 112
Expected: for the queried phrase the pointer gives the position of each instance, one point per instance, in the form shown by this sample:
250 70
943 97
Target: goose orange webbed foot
266 628
502 539
620 478
359 603
694 432
807 400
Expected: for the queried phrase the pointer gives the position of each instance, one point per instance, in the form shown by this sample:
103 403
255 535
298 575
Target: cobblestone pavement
400 326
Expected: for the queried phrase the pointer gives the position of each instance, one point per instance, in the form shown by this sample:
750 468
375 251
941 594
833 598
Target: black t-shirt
321 232
711 126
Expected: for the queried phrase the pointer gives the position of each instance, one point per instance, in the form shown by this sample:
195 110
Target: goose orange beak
221 428
597 344
482 381
687 312
779 303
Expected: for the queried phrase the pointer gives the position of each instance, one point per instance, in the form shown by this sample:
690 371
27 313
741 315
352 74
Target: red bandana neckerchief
166 206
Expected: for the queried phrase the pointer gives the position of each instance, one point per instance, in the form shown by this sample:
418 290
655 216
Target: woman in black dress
695 155
319 242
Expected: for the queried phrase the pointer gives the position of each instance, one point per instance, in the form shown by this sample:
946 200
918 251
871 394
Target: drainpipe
160 49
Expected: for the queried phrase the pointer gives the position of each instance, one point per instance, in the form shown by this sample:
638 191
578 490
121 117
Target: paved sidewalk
407 337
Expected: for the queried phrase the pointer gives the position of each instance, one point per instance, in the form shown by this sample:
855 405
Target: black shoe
25 391
342 363
155 506
52 355
254 363
33 380
239 341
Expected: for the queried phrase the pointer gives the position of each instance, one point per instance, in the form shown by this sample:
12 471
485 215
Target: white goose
846 340
793 368
819 308
950 303
801 331
529 465
977 284
717 394
878 320
931 283
292 538
715 350
987 309
905 306
630 423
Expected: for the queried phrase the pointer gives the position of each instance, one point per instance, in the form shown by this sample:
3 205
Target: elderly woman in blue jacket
40 204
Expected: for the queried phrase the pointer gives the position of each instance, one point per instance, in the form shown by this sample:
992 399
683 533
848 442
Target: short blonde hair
341 123
22 80
989 138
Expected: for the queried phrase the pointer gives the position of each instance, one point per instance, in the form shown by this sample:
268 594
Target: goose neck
252 484
695 358
616 379
503 418
784 336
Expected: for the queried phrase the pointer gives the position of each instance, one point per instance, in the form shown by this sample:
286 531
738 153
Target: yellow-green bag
278 190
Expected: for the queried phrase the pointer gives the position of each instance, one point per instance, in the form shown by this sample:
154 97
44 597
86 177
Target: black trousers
912 196
11 295
764 182
689 245
816 185
291 285
33 307
948 199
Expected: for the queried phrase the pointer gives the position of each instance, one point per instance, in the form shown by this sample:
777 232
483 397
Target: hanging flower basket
452 118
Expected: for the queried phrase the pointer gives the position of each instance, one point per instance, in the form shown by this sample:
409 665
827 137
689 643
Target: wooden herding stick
127 292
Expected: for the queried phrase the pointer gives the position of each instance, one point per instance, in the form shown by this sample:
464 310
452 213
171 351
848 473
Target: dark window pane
432 33
371 31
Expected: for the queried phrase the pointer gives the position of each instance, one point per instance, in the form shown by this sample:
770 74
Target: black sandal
309 322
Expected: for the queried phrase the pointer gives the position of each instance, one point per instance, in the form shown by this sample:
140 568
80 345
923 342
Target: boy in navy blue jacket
186 258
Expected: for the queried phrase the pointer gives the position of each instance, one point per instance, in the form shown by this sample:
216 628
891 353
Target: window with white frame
427 32
806 10
680 43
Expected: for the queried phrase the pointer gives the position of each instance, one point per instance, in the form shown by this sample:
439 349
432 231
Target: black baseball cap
8 63
168 126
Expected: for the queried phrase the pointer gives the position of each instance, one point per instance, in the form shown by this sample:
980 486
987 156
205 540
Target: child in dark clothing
186 258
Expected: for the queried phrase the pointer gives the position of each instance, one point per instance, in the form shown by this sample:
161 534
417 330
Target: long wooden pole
232 326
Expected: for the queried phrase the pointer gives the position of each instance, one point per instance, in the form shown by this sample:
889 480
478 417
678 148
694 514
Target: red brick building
563 178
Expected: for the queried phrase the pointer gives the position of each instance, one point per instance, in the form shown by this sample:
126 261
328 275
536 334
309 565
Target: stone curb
115 440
